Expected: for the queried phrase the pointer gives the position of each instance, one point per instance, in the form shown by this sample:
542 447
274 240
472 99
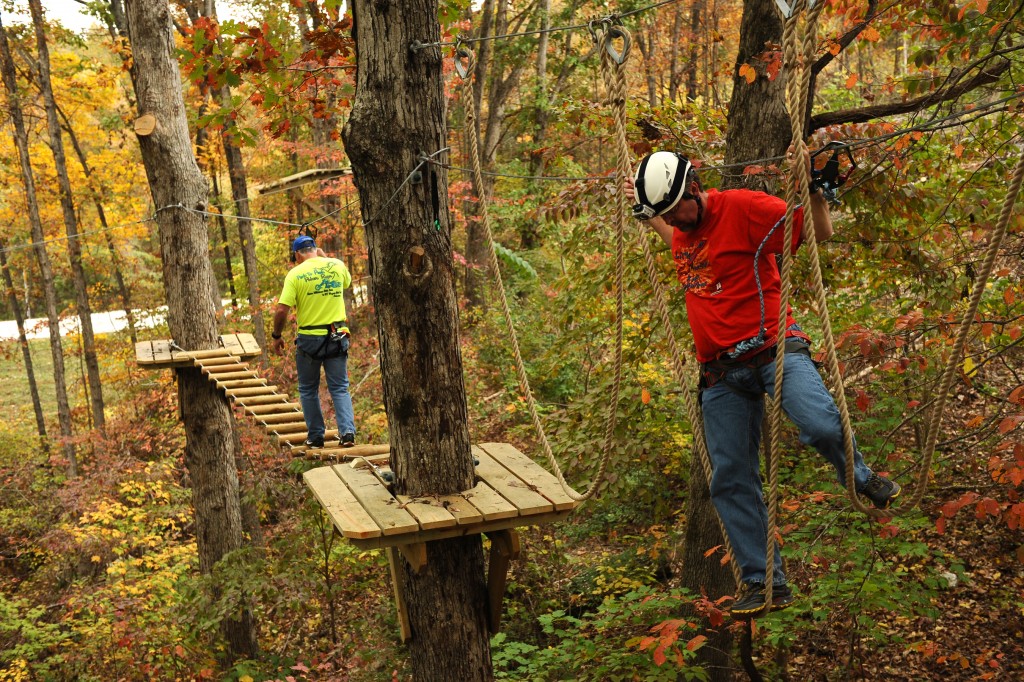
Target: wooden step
221 369
378 454
279 408
240 383
280 429
247 400
235 376
255 390
220 362
268 419
294 439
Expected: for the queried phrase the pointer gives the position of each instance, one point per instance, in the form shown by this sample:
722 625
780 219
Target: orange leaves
747 71
871 34
851 82
665 638
1010 423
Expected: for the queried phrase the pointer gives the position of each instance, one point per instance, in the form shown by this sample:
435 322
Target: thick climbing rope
464 67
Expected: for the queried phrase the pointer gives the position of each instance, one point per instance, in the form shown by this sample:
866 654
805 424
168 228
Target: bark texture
176 183
397 118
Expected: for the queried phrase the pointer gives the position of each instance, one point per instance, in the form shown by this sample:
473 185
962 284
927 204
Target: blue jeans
336 371
732 427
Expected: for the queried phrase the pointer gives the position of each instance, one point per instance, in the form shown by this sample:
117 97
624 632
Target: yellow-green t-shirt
315 289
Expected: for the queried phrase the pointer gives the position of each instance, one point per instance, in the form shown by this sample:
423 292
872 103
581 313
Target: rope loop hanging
465 57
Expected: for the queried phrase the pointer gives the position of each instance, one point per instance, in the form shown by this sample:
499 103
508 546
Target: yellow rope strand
524 382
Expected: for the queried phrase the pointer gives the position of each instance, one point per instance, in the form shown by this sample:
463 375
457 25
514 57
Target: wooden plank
284 417
180 355
162 351
532 474
509 486
144 353
339 503
292 427
426 514
220 362
235 376
242 383
249 345
297 439
216 369
459 531
378 502
254 390
231 343
489 503
461 508
273 409
374 452
248 400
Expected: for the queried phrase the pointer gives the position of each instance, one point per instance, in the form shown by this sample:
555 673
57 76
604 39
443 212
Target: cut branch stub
145 125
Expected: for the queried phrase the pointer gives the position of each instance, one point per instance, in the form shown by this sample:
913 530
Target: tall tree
39 248
19 319
180 192
398 116
67 204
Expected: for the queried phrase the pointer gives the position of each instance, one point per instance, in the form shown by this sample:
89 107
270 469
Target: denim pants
732 427
336 371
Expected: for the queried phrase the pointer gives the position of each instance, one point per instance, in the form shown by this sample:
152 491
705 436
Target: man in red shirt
724 246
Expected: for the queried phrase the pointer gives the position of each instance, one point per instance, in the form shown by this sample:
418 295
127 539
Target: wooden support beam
505 547
404 627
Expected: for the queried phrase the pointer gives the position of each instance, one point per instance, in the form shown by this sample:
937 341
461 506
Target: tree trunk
229 274
175 179
39 248
12 299
67 204
398 116
758 121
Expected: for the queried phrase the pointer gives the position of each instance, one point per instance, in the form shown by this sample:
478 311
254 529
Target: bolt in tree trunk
12 299
67 204
39 248
175 179
397 117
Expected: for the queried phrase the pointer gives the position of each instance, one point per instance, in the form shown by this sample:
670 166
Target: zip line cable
609 19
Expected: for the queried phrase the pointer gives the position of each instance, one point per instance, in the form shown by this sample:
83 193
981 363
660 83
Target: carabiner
464 58
609 36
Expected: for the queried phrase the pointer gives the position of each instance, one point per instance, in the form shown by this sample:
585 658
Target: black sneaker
348 440
750 600
881 491
314 442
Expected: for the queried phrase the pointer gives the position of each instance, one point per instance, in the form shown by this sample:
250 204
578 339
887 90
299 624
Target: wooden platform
160 355
512 491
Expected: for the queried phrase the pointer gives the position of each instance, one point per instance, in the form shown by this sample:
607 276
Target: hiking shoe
314 442
750 600
348 440
881 491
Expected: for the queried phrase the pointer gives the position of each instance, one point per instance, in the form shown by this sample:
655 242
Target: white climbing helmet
659 183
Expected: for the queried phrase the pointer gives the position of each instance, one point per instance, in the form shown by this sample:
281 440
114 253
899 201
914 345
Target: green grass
15 397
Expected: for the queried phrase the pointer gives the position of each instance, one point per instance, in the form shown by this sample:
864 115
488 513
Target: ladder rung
279 408
247 400
255 390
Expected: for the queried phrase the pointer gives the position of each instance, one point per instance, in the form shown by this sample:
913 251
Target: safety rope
612 60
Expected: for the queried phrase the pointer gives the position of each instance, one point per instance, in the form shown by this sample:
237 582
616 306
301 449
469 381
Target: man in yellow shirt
315 288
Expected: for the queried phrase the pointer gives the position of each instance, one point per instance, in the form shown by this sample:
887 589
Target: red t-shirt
715 264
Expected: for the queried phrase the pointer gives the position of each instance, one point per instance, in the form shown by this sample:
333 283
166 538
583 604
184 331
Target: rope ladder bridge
511 490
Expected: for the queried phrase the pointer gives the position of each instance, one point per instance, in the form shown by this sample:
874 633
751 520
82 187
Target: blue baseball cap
303 242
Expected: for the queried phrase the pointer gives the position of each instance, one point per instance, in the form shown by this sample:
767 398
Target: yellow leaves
871 34
970 368
748 72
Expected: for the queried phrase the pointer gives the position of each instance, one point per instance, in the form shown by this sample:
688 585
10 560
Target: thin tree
67 205
397 119
39 249
26 354
179 192
101 214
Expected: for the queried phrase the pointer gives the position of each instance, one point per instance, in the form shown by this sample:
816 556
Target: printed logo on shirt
693 269
327 278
